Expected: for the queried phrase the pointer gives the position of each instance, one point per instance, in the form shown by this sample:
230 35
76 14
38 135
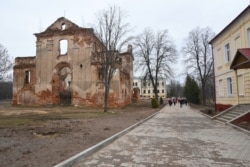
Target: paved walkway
176 137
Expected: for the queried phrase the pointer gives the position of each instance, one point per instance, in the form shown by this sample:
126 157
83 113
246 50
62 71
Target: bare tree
154 55
199 56
5 63
174 89
113 33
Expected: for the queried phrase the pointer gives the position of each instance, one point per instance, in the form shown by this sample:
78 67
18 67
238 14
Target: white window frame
229 86
227 53
248 37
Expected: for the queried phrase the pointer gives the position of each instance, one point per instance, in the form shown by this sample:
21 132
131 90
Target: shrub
154 103
161 101
209 111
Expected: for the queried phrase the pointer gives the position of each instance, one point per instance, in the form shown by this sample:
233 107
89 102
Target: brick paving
176 137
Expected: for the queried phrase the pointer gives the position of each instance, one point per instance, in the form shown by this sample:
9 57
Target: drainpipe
214 79
236 84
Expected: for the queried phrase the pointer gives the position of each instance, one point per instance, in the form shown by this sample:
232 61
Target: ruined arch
61 83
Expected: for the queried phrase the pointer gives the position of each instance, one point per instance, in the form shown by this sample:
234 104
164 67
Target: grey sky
21 19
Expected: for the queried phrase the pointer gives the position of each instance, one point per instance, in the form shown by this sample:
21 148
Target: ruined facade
65 70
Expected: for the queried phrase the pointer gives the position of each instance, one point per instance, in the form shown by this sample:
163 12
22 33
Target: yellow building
231 54
146 87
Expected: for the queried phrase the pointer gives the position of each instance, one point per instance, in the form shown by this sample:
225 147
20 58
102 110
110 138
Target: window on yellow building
229 86
248 36
227 53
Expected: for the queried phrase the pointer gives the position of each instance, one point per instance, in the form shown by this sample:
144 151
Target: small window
148 84
227 53
63 47
144 91
162 91
162 83
248 36
136 84
27 77
63 26
148 91
229 86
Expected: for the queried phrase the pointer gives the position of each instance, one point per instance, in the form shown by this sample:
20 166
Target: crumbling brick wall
67 75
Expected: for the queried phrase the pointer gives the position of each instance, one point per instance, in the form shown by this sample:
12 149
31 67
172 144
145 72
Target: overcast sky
20 19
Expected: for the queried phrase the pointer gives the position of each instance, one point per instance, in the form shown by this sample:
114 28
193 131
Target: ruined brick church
65 70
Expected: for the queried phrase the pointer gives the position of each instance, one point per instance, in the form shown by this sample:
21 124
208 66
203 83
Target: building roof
232 22
241 59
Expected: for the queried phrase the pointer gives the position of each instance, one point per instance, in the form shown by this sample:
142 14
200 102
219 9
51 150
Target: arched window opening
63 26
63 47
27 77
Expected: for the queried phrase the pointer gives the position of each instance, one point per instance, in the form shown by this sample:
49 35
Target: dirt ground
43 137
46 136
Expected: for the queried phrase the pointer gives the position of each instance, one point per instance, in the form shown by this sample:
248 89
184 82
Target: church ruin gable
66 70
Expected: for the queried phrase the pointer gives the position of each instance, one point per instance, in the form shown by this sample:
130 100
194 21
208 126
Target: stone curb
69 162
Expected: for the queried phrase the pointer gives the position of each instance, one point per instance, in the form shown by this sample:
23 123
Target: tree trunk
203 95
106 95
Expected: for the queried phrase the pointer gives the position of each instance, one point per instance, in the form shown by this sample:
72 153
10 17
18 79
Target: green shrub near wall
154 103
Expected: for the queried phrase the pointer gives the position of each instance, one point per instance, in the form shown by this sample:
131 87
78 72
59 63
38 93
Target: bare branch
154 55
199 55
5 63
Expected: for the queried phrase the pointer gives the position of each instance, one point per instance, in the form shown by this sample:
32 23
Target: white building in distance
146 87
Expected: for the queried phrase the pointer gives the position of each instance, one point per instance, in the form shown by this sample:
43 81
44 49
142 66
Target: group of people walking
175 100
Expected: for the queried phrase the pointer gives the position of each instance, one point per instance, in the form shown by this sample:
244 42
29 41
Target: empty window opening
63 26
27 77
80 65
63 47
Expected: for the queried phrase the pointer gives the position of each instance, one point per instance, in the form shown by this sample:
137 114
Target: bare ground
43 137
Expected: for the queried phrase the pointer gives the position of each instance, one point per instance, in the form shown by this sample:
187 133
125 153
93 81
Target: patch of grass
34 119
10 122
